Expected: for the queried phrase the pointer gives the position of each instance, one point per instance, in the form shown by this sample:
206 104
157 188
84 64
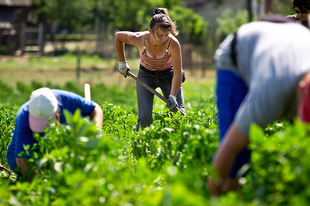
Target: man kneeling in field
33 116
263 75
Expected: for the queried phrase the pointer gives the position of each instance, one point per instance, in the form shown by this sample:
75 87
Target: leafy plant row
167 163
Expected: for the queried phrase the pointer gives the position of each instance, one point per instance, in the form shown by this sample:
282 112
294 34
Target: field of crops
165 164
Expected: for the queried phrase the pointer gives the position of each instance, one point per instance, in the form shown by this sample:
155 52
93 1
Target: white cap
42 106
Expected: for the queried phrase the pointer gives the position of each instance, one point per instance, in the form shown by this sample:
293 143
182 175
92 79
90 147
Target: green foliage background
229 22
131 15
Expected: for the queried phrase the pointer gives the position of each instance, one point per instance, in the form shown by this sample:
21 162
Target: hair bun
158 11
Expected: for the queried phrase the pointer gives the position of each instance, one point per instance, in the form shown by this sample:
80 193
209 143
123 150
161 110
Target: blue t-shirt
23 135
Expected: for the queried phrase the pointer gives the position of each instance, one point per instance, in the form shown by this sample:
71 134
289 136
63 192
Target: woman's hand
123 68
173 103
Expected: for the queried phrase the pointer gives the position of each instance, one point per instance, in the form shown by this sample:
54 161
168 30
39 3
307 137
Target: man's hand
234 141
26 168
123 68
215 187
173 103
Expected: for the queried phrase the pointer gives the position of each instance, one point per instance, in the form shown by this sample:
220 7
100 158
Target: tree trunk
250 12
268 6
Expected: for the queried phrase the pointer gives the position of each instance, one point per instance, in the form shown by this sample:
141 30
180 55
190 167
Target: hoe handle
151 90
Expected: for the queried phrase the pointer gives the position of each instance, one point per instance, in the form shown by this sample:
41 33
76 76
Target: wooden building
14 32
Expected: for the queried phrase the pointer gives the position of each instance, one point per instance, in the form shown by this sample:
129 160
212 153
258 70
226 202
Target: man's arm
25 167
234 141
97 116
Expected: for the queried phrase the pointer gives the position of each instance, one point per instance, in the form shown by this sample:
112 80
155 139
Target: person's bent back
33 117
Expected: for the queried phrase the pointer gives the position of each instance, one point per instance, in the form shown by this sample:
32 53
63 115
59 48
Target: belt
166 71
233 49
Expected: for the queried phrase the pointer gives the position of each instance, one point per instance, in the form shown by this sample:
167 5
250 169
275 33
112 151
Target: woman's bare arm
176 56
127 37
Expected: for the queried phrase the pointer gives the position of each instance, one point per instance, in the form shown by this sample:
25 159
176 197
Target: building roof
19 3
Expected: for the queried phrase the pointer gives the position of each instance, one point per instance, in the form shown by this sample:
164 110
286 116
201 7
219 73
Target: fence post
22 37
204 60
41 38
78 65
98 32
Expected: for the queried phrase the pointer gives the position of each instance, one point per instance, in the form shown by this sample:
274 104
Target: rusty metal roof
21 3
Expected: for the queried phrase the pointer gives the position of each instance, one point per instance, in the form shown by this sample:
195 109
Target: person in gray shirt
302 10
259 70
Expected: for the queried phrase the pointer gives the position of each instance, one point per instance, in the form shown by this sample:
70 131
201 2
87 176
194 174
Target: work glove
123 68
172 105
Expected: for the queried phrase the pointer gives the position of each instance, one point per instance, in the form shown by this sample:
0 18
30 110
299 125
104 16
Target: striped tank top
156 64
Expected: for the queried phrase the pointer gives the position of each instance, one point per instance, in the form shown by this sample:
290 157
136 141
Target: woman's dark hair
161 19
301 4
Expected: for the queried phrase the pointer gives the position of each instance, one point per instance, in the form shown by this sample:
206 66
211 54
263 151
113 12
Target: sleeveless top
156 64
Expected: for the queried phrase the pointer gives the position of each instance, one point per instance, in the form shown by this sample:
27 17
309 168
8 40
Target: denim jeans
230 92
145 98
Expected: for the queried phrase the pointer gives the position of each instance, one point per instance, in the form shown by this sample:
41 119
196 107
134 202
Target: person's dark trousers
230 92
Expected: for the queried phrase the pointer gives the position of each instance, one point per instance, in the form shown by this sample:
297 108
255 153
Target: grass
58 70
62 69
68 60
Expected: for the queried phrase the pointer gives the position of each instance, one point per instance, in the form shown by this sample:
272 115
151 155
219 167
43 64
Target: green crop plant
7 124
283 178
166 164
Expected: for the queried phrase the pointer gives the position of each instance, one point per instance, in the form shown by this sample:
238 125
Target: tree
190 25
132 15
71 14
229 22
